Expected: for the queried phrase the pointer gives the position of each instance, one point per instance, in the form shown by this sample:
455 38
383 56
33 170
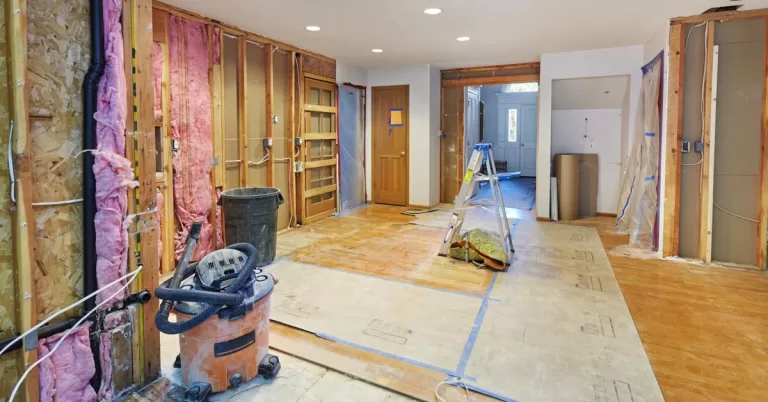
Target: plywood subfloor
702 328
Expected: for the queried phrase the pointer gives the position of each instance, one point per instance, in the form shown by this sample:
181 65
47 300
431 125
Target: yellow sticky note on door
395 117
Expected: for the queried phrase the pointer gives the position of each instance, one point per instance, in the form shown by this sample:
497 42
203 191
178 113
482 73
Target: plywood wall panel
58 55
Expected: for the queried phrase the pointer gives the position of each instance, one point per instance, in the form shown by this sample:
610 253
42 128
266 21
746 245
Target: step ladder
482 153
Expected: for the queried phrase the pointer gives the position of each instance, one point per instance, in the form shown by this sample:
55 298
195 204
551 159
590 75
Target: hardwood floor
705 329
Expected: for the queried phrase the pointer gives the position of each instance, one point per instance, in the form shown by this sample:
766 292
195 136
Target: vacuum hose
230 296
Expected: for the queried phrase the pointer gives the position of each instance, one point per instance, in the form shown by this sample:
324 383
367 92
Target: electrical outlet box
698 146
298 167
175 146
268 143
274 119
686 147
298 141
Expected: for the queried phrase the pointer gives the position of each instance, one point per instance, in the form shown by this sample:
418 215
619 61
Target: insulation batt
191 127
157 70
112 170
65 376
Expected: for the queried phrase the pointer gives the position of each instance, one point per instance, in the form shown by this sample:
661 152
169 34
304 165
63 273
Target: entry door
390 145
471 123
529 123
509 136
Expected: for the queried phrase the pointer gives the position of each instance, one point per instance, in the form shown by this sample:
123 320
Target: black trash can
250 216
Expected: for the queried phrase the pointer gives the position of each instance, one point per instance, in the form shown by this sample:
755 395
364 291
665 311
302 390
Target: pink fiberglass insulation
66 375
191 127
112 170
157 70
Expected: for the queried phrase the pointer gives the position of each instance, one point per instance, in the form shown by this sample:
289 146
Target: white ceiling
590 93
501 31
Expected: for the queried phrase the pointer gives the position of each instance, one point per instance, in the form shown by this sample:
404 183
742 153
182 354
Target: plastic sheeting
638 203
112 170
191 127
66 375
352 149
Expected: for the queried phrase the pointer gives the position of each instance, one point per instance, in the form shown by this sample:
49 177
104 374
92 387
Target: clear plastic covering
638 202
351 149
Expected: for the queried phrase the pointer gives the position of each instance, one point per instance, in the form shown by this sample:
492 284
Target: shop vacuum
222 307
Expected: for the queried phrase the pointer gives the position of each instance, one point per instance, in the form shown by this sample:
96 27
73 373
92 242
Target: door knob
402 153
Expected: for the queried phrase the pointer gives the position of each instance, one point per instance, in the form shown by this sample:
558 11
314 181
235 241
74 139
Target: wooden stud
320 78
320 190
671 235
460 142
319 136
721 17
705 232
167 227
504 79
145 141
291 135
442 143
321 109
235 31
242 107
301 123
268 86
212 89
320 163
22 216
762 227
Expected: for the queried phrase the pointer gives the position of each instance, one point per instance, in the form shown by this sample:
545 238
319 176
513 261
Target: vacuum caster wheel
198 392
269 367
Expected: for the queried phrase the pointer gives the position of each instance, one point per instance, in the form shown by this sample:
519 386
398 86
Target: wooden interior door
390 145
320 154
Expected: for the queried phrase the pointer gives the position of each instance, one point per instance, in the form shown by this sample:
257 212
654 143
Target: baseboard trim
415 206
543 219
607 215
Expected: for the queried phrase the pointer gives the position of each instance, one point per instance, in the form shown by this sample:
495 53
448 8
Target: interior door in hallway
529 123
390 145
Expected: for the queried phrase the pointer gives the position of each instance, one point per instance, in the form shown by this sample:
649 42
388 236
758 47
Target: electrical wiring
66 334
735 214
65 309
703 84
450 382
261 162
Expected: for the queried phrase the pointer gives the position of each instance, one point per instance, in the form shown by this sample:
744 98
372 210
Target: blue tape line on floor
390 355
467 352
483 391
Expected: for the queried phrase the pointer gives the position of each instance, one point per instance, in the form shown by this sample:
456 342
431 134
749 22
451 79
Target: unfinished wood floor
705 329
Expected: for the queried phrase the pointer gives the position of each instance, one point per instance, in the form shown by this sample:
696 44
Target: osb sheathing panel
8 373
257 128
58 56
450 144
231 133
317 66
281 73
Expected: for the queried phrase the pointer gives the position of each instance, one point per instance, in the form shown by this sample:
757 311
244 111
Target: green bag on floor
480 246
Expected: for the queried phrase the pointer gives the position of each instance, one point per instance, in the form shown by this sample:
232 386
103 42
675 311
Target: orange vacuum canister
222 307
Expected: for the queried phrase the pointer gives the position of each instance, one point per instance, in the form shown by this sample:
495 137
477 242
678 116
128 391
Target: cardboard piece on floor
421 325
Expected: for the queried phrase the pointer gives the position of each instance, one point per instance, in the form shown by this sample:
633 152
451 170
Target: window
526 87
512 124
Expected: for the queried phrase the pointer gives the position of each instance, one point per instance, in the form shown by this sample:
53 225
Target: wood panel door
390 145
320 157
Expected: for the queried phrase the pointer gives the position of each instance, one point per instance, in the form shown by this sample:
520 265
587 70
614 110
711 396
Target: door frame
503 121
407 125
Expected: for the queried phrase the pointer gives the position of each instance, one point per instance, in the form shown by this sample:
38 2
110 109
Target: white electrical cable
735 214
66 334
261 162
450 382
65 309
703 84
10 164
54 203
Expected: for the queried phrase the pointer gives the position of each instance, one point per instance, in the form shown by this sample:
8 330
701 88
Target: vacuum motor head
219 268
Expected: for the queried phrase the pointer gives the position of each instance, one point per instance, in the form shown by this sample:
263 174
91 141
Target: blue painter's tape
388 355
650 134
650 178
626 204
481 391
470 344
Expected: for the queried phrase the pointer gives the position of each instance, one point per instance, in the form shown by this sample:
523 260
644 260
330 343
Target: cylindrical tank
250 216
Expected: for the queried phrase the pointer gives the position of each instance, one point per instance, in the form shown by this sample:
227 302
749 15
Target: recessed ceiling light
313 28
433 11
376 50
462 38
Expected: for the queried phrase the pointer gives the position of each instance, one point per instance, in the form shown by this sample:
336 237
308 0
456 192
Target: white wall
582 64
603 137
350 73
423 128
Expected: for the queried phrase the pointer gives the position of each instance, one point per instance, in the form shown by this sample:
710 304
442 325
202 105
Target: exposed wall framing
491 75
672 205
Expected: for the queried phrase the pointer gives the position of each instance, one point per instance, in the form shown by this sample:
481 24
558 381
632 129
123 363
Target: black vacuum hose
169 291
